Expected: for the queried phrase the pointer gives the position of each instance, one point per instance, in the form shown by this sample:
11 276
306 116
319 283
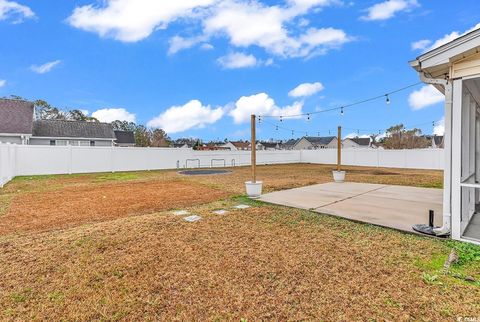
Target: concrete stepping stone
180 212
242 206
192 218
220 212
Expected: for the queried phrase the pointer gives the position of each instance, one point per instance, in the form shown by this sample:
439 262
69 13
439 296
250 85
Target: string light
341 111
259 119
384 96
281 118
308 117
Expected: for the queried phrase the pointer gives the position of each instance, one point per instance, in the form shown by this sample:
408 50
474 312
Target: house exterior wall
11 139
303 144
333 144
72 141
348 144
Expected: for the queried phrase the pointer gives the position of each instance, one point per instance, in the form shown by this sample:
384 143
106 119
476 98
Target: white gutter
447 174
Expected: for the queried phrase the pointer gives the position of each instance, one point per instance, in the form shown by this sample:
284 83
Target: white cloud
189 116
245 23
17 13
355 135
421 44
427 45
261 104
387 9
439 128
306 89
237 60
248 24
132 20
425 96
45 68
206 46
112 114
2 82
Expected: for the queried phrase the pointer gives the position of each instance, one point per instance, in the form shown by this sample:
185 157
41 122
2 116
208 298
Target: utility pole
253 149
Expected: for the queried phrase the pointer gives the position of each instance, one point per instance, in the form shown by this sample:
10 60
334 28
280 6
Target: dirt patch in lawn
75 205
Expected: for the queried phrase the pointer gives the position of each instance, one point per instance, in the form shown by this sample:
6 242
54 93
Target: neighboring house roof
240 144
16 116
181 145
319 140
438 140
289 143
72 129
361 141
124 137
269 144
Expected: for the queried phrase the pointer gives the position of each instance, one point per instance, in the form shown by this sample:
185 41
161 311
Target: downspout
447 174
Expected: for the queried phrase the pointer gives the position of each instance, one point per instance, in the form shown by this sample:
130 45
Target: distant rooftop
16 116
73 129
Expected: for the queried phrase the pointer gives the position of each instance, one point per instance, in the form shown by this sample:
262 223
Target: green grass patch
117 176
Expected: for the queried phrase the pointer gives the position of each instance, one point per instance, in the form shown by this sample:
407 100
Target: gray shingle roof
72 129
438 139
320 140
124 137
16 116
361 141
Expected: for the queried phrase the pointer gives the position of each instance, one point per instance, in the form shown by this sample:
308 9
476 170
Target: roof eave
438 59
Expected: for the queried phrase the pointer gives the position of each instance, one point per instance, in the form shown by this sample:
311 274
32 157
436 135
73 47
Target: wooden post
339 148
253 149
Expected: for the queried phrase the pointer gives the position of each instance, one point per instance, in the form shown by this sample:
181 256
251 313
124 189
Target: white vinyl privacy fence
17 160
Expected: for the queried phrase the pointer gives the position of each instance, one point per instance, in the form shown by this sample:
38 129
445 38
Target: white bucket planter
254 190
338 176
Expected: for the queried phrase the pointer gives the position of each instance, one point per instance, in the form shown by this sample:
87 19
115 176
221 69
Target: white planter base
254 190
338 176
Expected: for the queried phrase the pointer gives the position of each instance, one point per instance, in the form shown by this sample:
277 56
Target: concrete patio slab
396 207
305 198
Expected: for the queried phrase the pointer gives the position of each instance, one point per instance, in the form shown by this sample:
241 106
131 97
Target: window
52 142
61 142
92 143
84 143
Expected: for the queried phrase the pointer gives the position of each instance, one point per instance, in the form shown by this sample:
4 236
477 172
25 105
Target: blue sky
200 67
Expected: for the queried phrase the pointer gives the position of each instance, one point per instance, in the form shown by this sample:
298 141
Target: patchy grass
125 257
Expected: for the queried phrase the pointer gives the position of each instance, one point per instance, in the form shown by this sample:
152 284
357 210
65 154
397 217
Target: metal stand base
427 230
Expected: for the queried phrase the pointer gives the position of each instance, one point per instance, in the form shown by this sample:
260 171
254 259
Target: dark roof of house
16 116
72 129
361 141
320 140
269 144
438 139
241 144
290 142
124 137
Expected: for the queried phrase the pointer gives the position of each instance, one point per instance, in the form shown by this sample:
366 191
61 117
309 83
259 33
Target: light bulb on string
281 118
387 99
308 117
341 111
276 127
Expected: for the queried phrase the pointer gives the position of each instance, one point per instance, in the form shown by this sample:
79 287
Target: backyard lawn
107 247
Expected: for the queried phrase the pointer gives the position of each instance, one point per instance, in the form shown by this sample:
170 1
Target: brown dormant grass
103 247
263 263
